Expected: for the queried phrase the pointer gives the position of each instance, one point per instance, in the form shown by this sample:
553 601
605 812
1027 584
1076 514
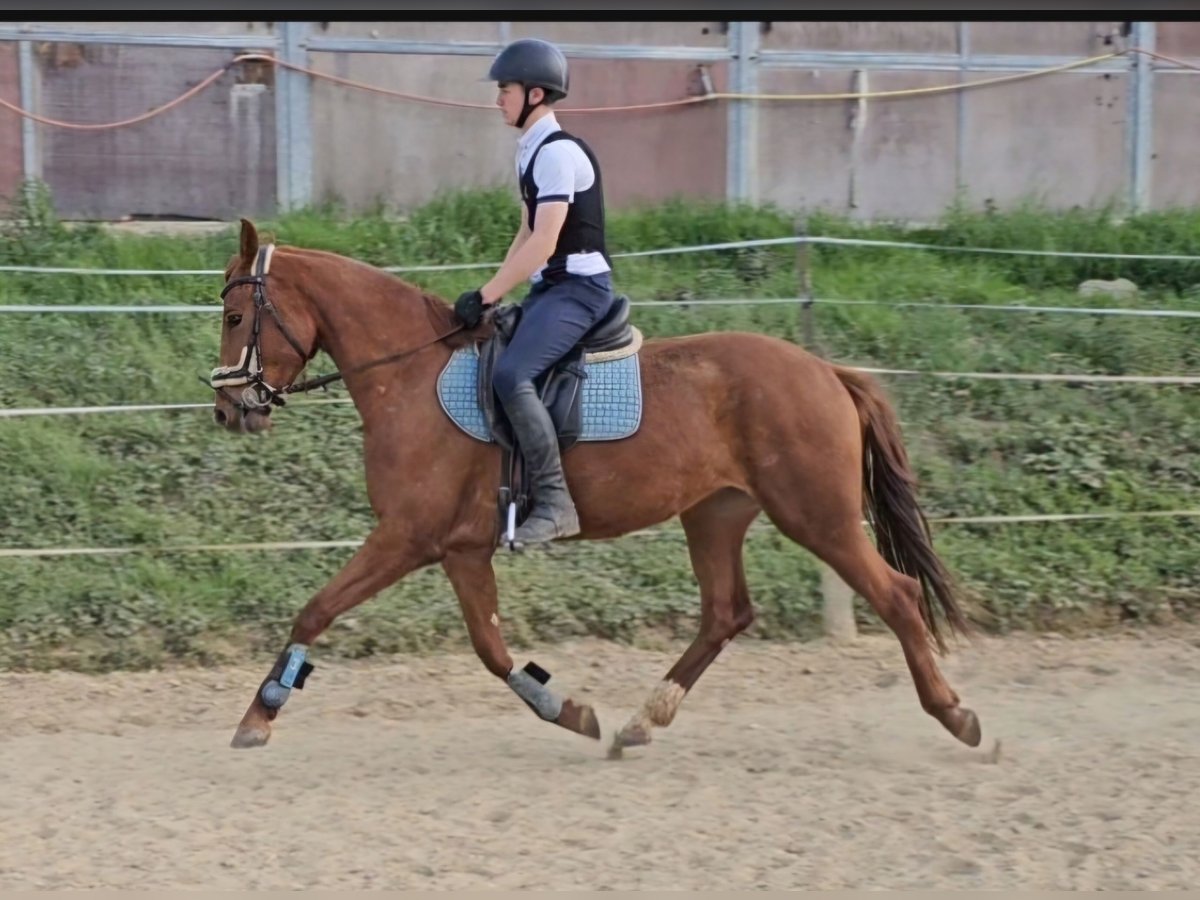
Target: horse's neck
364 314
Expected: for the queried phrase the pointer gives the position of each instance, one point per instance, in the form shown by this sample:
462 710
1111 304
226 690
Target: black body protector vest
583 230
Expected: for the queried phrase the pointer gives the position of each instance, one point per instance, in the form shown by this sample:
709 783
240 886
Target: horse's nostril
219 416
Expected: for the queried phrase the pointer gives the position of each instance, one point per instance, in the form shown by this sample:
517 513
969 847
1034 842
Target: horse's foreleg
474 581
716 529
386 556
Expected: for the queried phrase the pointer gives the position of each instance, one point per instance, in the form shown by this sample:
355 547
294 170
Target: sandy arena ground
790 766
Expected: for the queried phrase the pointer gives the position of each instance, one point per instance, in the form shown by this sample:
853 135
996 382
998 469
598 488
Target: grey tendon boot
553 512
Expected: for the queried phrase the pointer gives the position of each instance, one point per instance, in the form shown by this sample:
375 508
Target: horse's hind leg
716 528
841 542
474 581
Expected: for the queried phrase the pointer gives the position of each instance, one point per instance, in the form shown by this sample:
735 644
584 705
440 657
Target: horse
734 424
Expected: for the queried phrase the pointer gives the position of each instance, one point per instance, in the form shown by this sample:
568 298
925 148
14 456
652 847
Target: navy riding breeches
554 318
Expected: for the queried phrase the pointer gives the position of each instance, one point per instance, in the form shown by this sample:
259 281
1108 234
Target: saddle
560 388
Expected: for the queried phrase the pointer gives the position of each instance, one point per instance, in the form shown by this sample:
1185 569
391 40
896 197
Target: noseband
248 371
258 394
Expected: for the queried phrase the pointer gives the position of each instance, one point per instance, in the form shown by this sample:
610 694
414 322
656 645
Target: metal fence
846 148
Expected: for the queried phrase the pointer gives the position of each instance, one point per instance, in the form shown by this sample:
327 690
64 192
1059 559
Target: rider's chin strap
528 108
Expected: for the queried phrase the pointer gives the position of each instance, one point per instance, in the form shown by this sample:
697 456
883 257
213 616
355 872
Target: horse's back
720 409
731 358
742 384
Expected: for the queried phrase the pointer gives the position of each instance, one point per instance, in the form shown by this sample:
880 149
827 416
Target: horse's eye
233 320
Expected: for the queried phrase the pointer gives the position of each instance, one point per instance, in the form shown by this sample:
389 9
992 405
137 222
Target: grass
980 447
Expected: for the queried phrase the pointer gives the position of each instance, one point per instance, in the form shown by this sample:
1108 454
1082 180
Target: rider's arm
531 254
521 236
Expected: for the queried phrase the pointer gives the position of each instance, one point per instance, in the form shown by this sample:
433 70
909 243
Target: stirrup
561 530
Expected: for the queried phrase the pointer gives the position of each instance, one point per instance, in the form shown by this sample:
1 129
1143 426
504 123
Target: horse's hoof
632 735
580 719
250 736
964 725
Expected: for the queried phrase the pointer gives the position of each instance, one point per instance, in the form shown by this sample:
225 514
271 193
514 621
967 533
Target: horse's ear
249 242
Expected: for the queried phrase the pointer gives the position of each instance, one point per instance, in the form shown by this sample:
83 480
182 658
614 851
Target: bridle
249 368
258 393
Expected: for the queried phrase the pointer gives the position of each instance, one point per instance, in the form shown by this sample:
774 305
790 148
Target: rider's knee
505 379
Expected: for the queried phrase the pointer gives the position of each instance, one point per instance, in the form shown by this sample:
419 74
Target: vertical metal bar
283 83
960 145
505 32
1140 127
804 285
293 120
31 157
742 163
735 144
837 599
858 125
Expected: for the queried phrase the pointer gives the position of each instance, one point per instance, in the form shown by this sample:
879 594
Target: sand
789 766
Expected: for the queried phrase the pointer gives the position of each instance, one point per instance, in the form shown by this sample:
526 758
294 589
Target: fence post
31 156
837 600
1141 116
960 109
837 612
804 285
741 141
293 120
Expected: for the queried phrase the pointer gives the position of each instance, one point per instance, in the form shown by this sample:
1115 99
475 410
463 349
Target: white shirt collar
542 128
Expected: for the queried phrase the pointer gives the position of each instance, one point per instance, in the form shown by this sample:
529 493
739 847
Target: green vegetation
981 447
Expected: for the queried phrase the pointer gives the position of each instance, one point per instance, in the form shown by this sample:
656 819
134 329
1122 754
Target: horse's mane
439 311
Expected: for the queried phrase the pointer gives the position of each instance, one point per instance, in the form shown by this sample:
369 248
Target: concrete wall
11 159
864 37
873 159
372 148
1066 145
1063 137
212 156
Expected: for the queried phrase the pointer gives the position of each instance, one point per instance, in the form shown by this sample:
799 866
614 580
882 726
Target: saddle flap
505 321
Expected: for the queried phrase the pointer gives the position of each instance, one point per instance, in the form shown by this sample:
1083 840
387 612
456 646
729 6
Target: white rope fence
1062 377
69 308
664 251
795 240
152 549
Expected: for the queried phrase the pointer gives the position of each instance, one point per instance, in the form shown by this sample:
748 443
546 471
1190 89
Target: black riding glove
469 308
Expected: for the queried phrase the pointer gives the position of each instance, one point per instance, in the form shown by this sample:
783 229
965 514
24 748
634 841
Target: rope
948 248
1066 377
1040 376
158 110
37 552
938 89
134 407
65 308
662 251
663 104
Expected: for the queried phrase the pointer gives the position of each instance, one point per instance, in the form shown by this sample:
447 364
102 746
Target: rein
249 368
312 384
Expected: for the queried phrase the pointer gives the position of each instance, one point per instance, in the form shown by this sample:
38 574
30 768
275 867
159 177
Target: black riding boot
553 513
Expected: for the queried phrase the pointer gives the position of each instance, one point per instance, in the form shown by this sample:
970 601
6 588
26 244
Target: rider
560 248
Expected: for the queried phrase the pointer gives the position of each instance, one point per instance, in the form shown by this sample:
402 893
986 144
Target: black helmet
532 63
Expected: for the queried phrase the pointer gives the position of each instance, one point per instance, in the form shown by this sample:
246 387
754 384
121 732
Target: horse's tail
890 501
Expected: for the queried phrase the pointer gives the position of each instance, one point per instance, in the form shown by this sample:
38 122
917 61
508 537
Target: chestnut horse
734 424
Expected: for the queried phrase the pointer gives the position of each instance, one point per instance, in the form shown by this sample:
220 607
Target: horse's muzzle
244 421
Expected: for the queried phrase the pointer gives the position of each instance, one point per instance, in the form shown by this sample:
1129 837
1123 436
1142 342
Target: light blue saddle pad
612 397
